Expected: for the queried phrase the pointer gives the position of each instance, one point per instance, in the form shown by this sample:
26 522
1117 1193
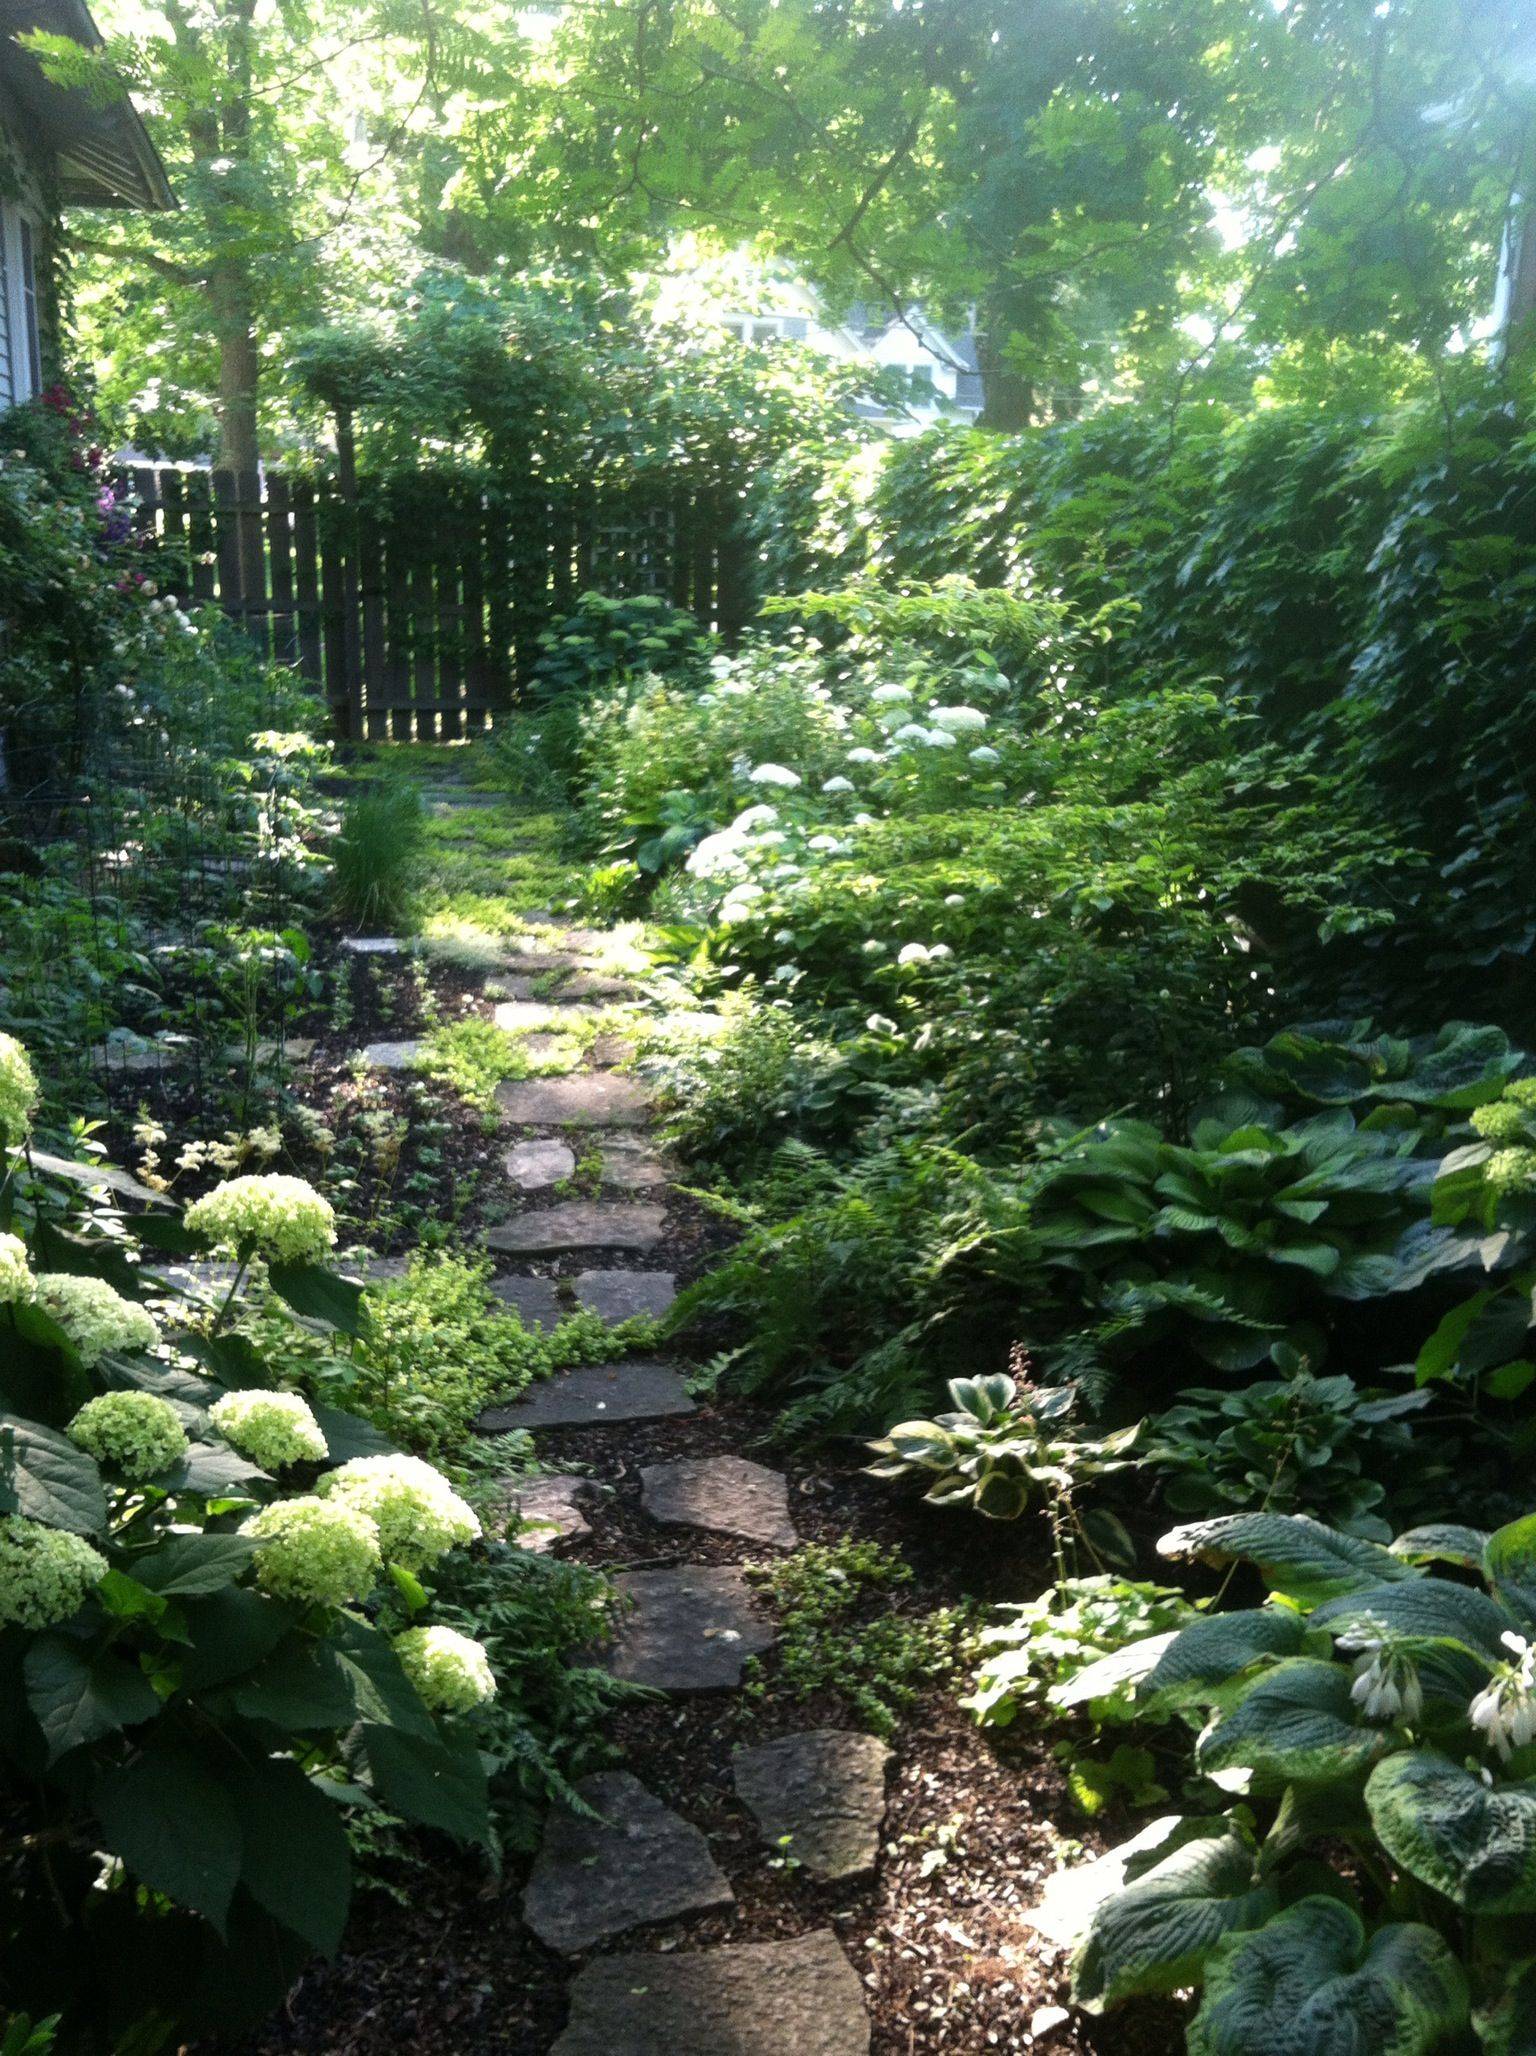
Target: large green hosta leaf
1309 1984
1462 1624
1509 1564
1297 1721
1295 1554
1473 1842
1209 1654
1155 1935
1507 2026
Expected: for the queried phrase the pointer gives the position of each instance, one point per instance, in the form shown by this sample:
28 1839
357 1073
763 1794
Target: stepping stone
586 1099
553 1504
595 1879
639 1390
821 1794
372 945
725 1494
631 1163
535 1166
627 1295
392 1056
580 1224
594 985
537 1300
523 1016
609 1050
368 1269
534 963
796 1998
296 1049
685 1630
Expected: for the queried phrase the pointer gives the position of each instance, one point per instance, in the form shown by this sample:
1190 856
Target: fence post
350 702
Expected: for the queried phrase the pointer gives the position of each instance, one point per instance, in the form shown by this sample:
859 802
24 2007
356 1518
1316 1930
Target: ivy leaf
1308 1981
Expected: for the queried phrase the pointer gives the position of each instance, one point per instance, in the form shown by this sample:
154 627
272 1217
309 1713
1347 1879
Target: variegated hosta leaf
1296 1721
1002 1495
919 1442
1156 1934
1208 1654
1474 1843
1509 1564
1296 1554
1442 1542
1507 2025
983 1398
1460 1624
1310 1984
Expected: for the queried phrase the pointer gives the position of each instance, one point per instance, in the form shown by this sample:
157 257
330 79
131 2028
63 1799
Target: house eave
102 155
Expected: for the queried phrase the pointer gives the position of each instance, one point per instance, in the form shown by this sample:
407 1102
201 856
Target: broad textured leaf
1308 1983
1209 1653
1509 1564
175 1827
1507 2027
1296 1721
318 1294
214 1471
1430 1607
1475 1844
295 1860
435 1781
192 1563
302 1684
1296 1555
77 1694
1156 1934
44 1476
381 1691
229 1633
1443 1542
348 1435
1109 1673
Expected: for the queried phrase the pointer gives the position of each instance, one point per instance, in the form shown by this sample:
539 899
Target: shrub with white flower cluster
450 1671
18 1091
319 1551
46 1575
1504 1712
418 1515
17 1285
96 1318
278 1217
138 1433
272 1429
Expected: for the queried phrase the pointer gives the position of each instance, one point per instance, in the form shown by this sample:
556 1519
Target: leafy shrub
1376 1879
603 639
377 856
1032 1654
194 1698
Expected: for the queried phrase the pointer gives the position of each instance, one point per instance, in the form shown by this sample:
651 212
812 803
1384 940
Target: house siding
29 247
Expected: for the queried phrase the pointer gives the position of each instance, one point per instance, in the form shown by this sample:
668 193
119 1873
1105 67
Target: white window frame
21 371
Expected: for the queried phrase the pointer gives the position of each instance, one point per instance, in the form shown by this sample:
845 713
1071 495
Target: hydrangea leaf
44 1476
318 1294
1295 1554
192 1564
79 1696
1155 1935
295 1860
1473 1842
1309 1984
175 1827
1296 1721
436 1782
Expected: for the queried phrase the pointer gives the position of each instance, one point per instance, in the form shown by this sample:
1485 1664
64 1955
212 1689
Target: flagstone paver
631 1161
626 1295
536 1016
686 1630
638 1389
372 945
727 1494
585 1099
580 1224
596 1879
535 1166
392 1056
821 1795
552 1506
537 1300
795 1998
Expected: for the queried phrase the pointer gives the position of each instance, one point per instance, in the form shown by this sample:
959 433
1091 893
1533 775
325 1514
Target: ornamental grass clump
418 1515
46 1576
97 1320
315 1550
266 1214
450 1671
272 1429
138 1433
18 1091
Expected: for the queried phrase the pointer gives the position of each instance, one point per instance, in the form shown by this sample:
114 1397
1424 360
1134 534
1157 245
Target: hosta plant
1365 1876
197 1663
1003 1449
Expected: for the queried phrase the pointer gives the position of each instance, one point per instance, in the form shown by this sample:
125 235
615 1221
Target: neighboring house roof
103 154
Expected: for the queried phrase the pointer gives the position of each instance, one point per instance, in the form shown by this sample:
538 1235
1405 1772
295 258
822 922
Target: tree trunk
239 368
1008 398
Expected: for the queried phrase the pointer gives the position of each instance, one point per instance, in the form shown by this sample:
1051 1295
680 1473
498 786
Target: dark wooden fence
415 602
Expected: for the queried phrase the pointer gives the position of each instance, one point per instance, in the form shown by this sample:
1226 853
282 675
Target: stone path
586 1182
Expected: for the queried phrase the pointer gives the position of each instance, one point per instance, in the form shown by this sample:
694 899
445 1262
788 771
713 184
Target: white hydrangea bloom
986 755
941 739
835 785
271 1429
315 1551
910 731
958 720
94 1317
913 953
754 817
890 695
774 774
45 1575
862 755
418 1514
16 1280
18 1090
451 1672
283 1218
138 1432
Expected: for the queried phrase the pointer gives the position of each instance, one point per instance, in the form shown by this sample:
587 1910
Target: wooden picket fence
415 602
